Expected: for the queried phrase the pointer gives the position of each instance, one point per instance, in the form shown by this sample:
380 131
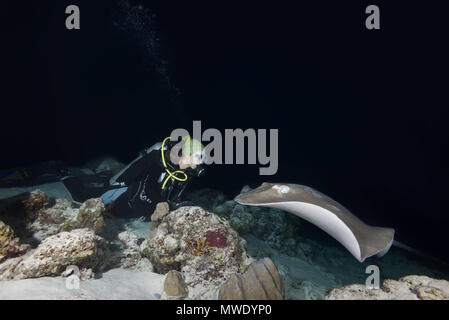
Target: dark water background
362 115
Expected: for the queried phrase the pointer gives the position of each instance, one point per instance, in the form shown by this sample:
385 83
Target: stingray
359 238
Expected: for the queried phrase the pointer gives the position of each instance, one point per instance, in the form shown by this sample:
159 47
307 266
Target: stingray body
360 239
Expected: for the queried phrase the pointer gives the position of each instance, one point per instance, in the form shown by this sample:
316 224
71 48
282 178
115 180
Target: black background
362 115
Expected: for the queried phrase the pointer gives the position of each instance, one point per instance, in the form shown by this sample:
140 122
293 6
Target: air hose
171 174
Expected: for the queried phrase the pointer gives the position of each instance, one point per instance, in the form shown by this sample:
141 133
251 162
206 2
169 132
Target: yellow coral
199 247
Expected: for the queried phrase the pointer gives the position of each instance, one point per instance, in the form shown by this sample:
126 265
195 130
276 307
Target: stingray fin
375 241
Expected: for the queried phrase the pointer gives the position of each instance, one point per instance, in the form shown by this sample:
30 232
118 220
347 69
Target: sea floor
307 276
313 264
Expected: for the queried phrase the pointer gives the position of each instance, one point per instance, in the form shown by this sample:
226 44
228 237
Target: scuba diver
151 178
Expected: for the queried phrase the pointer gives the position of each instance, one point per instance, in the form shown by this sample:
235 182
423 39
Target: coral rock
64 216
261 282
174 284
131 257
161 210
53 219
90 215
9 244
406 288
274 226
79 247
198 243
37 201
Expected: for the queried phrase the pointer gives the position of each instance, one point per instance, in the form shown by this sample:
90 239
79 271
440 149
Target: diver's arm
176 194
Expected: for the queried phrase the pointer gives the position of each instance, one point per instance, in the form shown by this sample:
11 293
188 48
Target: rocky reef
199 244
197 250
10 246
215 250
80 247
411 287
260 282
309 262
131 256
66 216
58 233
35 216
276 227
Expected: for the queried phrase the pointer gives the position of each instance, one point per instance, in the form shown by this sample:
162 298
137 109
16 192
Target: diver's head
192 153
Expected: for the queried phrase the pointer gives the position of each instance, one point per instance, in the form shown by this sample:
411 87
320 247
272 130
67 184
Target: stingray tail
418 253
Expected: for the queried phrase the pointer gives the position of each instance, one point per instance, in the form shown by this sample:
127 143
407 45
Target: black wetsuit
140 184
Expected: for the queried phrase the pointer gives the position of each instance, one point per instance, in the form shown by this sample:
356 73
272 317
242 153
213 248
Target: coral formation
64 215
200 250
411 287
161 210
260 282
37 201
180 243
198 247
131 257
90 215
80 247
52 220
10 246
276 227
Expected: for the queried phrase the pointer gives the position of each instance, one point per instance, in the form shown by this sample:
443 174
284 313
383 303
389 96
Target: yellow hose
171 174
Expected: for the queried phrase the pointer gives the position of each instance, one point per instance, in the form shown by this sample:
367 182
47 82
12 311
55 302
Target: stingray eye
283 189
